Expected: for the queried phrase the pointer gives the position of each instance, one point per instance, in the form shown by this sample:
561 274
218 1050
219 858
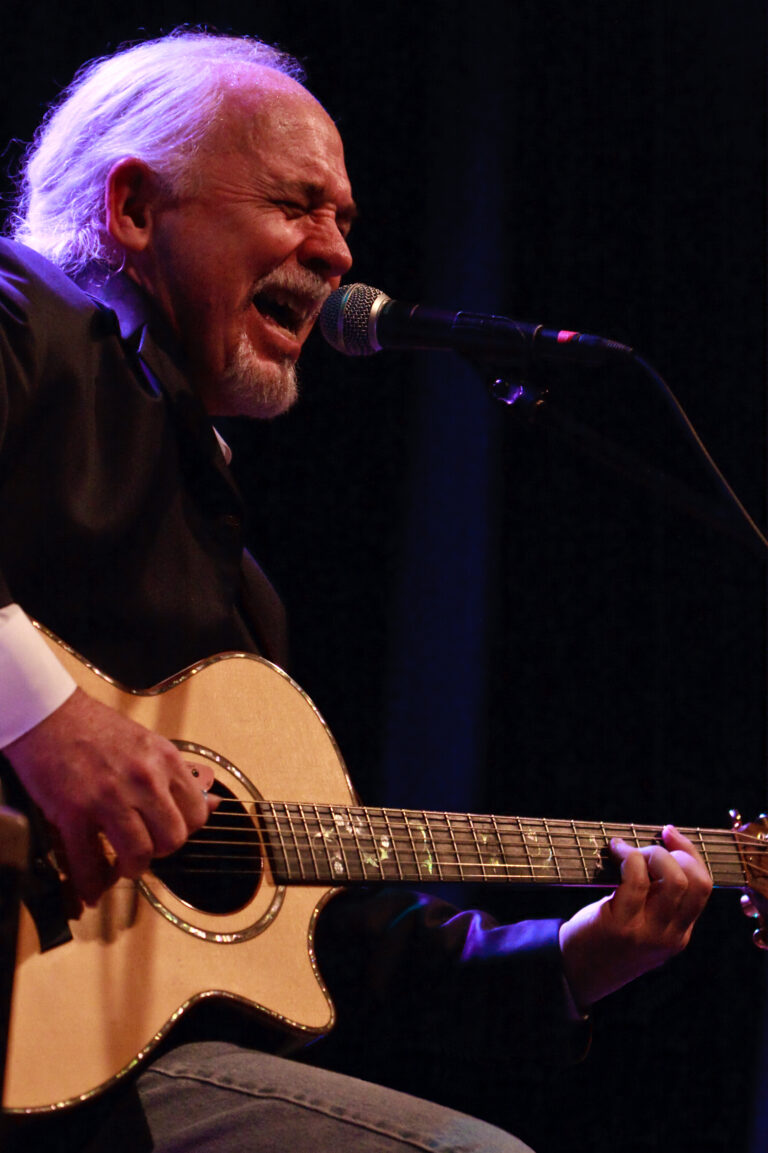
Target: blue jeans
215 1097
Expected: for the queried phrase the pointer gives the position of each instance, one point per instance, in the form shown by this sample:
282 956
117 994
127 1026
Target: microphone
358 320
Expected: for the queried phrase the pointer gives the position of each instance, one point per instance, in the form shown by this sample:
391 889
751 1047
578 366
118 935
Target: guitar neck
308 843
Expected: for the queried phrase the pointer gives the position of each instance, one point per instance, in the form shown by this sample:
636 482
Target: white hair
157 101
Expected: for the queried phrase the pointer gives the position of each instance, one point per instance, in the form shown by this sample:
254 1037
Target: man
184 215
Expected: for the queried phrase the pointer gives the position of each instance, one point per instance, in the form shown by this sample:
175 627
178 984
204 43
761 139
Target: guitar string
298 858
284 875
305 856
728 840
451 832
455 846
303 809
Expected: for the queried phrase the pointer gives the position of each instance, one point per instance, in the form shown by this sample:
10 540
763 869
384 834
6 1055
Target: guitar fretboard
308 843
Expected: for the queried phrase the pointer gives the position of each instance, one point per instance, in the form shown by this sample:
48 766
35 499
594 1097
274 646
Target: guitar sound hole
218 870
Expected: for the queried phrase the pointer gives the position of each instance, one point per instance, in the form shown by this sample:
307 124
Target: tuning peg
735 816
747 908
760 938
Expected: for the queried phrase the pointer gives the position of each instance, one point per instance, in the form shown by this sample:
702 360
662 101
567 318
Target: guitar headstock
752 840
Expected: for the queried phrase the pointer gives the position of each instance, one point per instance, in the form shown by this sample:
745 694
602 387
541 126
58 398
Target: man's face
242 264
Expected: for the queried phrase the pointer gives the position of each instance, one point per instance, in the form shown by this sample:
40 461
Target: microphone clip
511 386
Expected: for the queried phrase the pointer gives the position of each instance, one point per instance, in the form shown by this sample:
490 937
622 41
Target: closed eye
293 208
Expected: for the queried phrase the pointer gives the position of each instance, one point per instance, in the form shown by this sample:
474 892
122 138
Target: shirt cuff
34 683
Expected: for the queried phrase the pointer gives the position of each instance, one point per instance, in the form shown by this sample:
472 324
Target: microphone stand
519 391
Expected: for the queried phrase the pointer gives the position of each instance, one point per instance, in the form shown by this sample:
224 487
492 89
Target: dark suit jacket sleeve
442 1002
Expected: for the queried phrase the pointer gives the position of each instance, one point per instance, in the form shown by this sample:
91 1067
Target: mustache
310 287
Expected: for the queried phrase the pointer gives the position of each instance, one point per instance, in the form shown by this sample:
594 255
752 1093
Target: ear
130 197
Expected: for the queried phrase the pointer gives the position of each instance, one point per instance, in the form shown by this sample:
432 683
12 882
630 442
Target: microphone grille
345 319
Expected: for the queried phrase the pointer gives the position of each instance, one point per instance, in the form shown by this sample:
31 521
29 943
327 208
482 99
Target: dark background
490 613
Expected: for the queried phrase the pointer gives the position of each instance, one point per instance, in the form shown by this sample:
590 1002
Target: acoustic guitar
232 914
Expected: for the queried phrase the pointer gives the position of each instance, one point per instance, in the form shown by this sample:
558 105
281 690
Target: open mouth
284 309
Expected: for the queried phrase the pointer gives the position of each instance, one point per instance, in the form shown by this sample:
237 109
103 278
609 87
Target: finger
131 841
89 869
163 795
680 886
191 802
676 842
630 897
663 867
202 774
672 902
653 885
693 865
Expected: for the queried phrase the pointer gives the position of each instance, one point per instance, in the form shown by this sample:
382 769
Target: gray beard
257 390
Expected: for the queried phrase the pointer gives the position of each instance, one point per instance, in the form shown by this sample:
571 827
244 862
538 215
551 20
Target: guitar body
84 1011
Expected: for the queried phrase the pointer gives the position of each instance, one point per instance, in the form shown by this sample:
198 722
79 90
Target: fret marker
538 851
428 862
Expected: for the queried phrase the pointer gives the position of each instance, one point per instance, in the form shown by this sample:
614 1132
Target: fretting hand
648 918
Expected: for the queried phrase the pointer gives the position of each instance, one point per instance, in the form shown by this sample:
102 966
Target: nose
325 250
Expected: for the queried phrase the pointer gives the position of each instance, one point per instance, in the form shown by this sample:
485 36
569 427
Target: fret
393 843
734 862
580 849
292 830
291 869
569 857
526 848
326 872
440 838
489 848
344 834
274 843
369 855
540 857
307 856
379 847
355 871
593 850
553 855
702 847
606 837
723 858
432 859
501 857
412 842
479 854
514 849
333 836
457 862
